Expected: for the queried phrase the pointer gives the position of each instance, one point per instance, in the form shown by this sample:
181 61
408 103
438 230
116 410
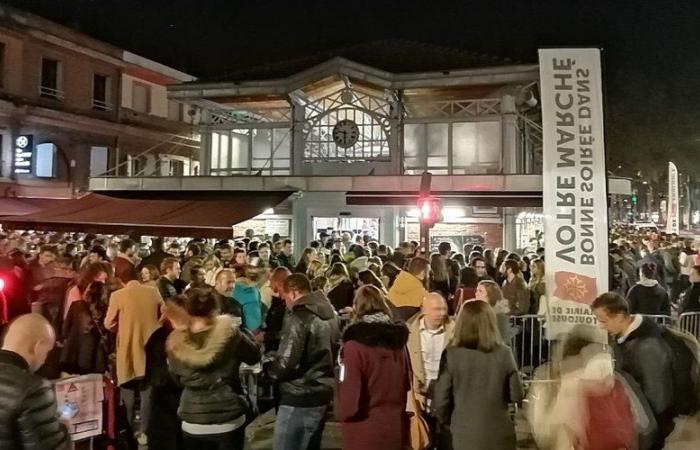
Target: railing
531 348
49 92
100 105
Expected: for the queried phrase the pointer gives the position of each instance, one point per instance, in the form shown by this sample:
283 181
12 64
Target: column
205 153
509 231
298 121
509 122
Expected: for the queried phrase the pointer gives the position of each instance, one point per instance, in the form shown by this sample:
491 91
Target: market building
348 133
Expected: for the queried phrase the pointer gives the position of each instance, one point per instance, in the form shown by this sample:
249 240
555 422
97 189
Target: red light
2 285
429 208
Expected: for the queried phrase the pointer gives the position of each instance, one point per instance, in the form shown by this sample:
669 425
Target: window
51 79
141 98
2 64
249 151
45 160
453 148
176 168
101 93
174 111
135 166
99 160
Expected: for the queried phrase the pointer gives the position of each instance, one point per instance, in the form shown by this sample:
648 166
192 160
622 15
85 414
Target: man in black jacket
641 351
303 366
28 417
690 299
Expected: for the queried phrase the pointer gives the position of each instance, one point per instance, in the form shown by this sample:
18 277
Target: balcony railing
49 92
100 105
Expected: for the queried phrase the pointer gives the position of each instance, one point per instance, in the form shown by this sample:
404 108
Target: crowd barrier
531 348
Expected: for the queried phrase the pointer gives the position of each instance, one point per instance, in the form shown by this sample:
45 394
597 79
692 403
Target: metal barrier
660 319
690 322
528 342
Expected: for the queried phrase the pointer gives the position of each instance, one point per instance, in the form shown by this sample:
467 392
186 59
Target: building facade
349 141
72 107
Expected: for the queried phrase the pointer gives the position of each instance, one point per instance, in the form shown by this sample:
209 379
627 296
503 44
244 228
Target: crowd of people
354 327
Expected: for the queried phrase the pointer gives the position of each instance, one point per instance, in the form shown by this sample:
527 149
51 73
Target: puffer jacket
303 365
247 294
28 417
407 290
206 365
648 359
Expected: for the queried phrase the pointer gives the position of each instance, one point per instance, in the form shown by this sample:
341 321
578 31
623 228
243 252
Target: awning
17 206
94 213
472 198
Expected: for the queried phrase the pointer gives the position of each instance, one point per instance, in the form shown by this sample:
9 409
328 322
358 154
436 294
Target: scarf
379 317
646 282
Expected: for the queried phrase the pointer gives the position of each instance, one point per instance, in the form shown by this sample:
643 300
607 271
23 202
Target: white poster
574 188
673 216
79 402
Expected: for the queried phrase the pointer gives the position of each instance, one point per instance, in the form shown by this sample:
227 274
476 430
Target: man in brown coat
133 314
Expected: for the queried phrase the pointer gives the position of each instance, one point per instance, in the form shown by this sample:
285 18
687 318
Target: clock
345 133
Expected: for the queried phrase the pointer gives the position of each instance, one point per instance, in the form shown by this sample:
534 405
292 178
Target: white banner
673 215
574 188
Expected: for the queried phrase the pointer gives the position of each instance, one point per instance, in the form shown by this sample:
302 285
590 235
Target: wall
159 96
13 67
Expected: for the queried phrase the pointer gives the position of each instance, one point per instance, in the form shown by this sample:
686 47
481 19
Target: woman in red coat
373 381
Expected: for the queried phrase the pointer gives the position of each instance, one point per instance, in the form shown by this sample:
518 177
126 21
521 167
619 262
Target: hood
393 336
648 328
180 345
646 282
245 289
318 304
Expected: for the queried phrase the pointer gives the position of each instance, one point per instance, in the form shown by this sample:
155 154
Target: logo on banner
575 287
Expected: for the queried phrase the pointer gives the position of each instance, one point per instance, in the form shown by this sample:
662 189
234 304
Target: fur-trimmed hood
393 336
189 351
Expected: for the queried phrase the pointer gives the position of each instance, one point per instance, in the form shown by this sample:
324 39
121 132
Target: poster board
80 402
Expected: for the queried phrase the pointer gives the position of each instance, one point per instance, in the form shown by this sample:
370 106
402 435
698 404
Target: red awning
96 213
17 206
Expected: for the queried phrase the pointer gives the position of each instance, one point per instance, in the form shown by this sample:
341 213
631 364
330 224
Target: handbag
419 432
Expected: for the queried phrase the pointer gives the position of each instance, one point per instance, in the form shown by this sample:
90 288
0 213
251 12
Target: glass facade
251 151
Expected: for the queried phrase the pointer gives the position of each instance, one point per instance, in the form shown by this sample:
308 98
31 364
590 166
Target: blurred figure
478 379
373 363
28 418
690 299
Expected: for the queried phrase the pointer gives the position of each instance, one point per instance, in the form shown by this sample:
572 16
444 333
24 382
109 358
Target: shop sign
23 154
279 226
574 188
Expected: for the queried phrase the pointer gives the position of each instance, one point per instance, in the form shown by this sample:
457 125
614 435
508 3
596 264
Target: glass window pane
437 139
413 138
239 150
224 157
99 158
463 144
437 161
489 142
413 162
45 155
262 144
280 144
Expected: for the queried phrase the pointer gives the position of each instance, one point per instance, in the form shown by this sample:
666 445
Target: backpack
685 365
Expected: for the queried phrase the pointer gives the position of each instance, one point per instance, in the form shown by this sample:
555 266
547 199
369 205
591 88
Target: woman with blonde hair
373 362
478 379
536 284
212 266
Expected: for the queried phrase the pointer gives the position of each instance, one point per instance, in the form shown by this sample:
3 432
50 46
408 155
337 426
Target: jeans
298 428
235 440
129 396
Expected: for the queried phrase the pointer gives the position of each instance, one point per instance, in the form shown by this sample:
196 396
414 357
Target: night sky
651 58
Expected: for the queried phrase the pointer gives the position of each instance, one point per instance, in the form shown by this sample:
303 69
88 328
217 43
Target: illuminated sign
24 155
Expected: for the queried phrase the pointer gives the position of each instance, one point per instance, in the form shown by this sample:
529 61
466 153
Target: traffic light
429 210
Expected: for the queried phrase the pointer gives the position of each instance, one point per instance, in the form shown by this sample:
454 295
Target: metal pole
424 246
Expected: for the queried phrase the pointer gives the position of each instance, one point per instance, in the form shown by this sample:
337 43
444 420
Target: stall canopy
206 217
17 206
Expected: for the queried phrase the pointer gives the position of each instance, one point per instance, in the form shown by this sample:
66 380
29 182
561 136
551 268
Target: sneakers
141 439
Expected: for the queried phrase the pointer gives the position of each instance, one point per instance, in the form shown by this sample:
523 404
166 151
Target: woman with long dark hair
440 276
371 392
478 379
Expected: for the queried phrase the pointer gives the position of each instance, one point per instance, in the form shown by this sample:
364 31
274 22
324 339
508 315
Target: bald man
28 412
430 332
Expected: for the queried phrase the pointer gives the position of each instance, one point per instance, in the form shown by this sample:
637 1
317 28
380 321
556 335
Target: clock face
346 133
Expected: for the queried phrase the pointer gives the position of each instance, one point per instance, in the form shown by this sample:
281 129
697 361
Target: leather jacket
303 365
28 417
